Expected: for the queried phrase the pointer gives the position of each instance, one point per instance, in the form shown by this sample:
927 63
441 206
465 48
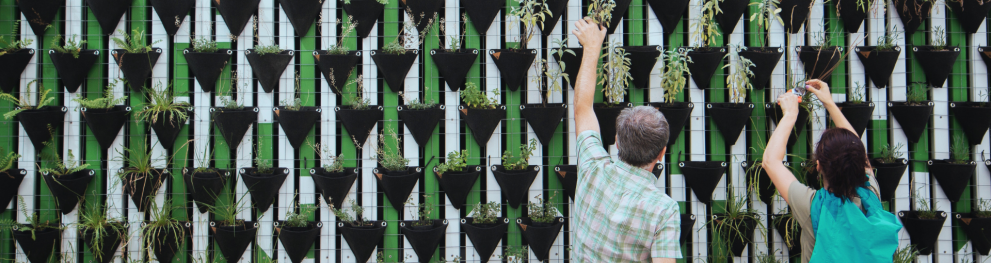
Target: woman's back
800 202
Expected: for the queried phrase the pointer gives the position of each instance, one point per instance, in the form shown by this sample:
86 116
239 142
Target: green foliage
923 208
262 50
674 73
416 103
705 30
390 160
61 167
455 42
730 225
917 93
516 254
738 81
960 150
767 258
137 158
792 232
554 76
888 41
542 211
601 11
519 163
456 162
423 211
983 209
340 48
891 154
614 74
300 218
226 214
939 40
262 165
23 103
474 98
406 36
11 47
486 213
204 45
34 221
161 223
822 39
94 218
356 220
905 255
133 43
768 11
331 165
108 100
7 161
858 93
71 45
162 102
295 103
531 13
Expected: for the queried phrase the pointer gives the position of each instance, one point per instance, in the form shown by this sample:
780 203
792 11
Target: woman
845 223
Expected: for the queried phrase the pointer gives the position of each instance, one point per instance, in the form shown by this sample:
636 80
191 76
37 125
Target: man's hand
589 34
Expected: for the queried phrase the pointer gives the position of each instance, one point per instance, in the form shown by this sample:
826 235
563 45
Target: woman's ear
818 169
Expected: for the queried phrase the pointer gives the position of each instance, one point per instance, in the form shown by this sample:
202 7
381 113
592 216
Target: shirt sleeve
590 151
668 235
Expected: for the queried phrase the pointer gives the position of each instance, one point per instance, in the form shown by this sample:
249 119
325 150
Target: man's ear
661 156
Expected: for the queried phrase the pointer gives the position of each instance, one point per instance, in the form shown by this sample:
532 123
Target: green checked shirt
620 216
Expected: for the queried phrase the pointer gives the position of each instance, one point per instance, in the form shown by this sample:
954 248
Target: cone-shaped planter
607 121
136 67
618 12
702 177
233 124
10 181
912 13
301 13
819 63
937 64
176 9
739 238
878 64
109 12
334 186
296 124
794 13
568 174
485 237
298 240
109 243
67 189
515 184
236 13
206 67
765 188
730 118
677 114
669 13
482 12
143 187
974 118
765 59
233 240
71 70
366 13
978 230
38 246
952 177
268 68
40 14
913 118
362 239
263 187
971 14
687 227
985 53
397 185
482 122
557 9
169 240
395 67
732 12
453 65
544 119
105 124
705 61
167 128
204 186
359 123
540 236
424 239
922 232
642 61
422 11
11 66
421 123
888 176
36 123
513 65
858 114
336 69
852 14
457 185
774 110
781 224
572 63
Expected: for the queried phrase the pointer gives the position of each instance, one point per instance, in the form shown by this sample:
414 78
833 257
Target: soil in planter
482 122
394 67
236 14
268 68
515 184
109 12
334 187
572 63
362 240
301 13
669 13
544 120
971 14
40 14
800 122
173 8
741 238
618 12
485 237
482 12
109 243
568 174
424 239
297 124
922 232
297 241
642 61
453 66
359 123
36 124
513 65
233 240
765 188
702 177
397 185
10 181
912 13
71 70
911 119
421 123
978 230
204 187
233 124
11 66
730 118
206 67
167 128
143 187
858 114
263 187
336 68
168 241
819 64
732 12
705 61
366 13
687 227
765 59
40 245
953 178
677 114
136 67
68 188
105 124
878 64
540 236
974 118
852 14
606 116
888 176
936 64
557 9
457 185
794 13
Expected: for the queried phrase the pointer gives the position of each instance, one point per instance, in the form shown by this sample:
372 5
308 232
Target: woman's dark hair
842 162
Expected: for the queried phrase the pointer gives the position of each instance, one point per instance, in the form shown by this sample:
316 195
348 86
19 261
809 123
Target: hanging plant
857 111
913 114
163 234
515 175
668 13
362 236
674 77
923 224
66 179
954 174
790 230
176 9
544 118
333 180
295 119
483 12
206 62
457 177
423 233
730 118
204 184
395 177
233 119
913 13
101 234
513 63
568 175
337 62
38 120
614 76
297 233
888 169
736 226
420 116
232 235
853 13
135 59
357 116
758 181
705 54
395 59
454 62
937 60
165 114
702 177
104 116
974 118
268 63
541 227
366 12
485 229
236 14
572 59
263 181
37 239
977 226
820 59
482 114
140 178
72 62
10 178
302 13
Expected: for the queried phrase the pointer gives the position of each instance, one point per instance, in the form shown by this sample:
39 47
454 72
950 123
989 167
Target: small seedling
262 50
71 45
108 100
924 209
888 41
340 48
983 208
474 98
960 151
60 167
518 163
456 162
354 220
939 39
917 93
300 218
133 43
542 211
331 164
204 45
857 97
891 154
423 211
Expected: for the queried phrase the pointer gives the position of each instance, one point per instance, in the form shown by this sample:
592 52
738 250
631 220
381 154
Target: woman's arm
774 153
821 90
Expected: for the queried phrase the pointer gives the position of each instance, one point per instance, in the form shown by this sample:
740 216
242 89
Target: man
620 216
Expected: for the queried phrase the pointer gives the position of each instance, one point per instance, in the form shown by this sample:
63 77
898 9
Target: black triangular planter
911 118
819 64
366 13
204 187
781 225
36 122
978 230
453 66
334 187
236 13
732 12
233 240
71 70
143 187
515 184
485 237
10 181
175 9
705 61
953 178
167 242
572 63
568 174
482 12
11 66
394 67
483 122
936 64
888 176
765 59
362 240
424 239
422 11
607 121
912 13
359 123
669 13
233 124
677 114
702 177
397 185
109 12
878 64
296 124
730 118
298 240
642 61
985 53
457 185
40 14
136 67
738 240
544 119
68 189
974 118
39 245
774 111
268 68
109 243
206 67
557 9
340 65
167 128
513 65
105 124
852 15
421 123
765 188
618 12
922 232
302 13
858 114
540 236
263 187
794 13
971 14
687 227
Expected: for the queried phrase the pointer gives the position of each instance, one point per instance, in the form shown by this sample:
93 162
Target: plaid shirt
620 215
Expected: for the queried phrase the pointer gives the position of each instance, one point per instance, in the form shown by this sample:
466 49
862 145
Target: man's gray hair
642 133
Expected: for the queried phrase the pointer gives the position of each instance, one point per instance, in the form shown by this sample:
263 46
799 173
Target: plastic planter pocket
108 13
395 67
167 127
606 115
515 184
859 115
143 187
978 230
10 181
206 67
457 185
173 8
36 122
922 232
105 124
952 177
168 240
297 124
568 174
557 9
970 14
677 114
544 119
482 12
936 63
705 61
732 12
743 233
485 237
68 188
765 188
359 123
910 117
642 61
109 243
421 123
974 118
687 227
71 70
424 239
513 65
136 67
236 13
297 241
878 63
12 64
397 185
233 124
702 177
301 13
362 239
774 110
912 13
268 68
365 13
888 176
39 245
781 224
668 13
453 65
540 236
730 118
233 240
263 186
795 12
852 14
819 63
336 68
40 13
572 63
765 59
482 122
334 187
204 186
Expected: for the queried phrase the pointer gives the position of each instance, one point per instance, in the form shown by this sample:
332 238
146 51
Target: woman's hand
820 89
788 103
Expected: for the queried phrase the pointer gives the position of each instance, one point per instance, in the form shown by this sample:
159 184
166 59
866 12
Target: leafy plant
891 154
888 41
456 162
94 219
673 72
300 218
905 255
960 151
162 102
923 208
406 37
738 82
7 161
768 11
939 40
553 81
340 48
542 211
204 45
356 220
71 45
857 97
108 100
530 13
474 98
516 254
23 103
486 213
229 101
391 160
705 31
601 11
518 163
262 165
34 221
262 50
133 43
14 46
614 74
731 224
917 93
61 167
983 208
423 211
331 165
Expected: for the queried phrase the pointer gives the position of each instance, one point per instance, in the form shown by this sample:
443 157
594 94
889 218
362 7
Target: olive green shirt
800 200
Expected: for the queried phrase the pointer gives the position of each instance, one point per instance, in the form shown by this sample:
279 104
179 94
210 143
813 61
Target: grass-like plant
109 100
600 11
542 211
138 159
133 43
299 217
34 221
531 14
228 98
24 103
705 30
72 46
731 224
960 150
889 40
162 223
925 208
518 163
905 255
674 73
391 160
226 214
738 81
857 97
767 258
423 211
917 93
94 219
891 154
340 48
939 40
822 39
792 232
295 103
355 220
204 45
162 102
486 213
614 73
475 98
456 162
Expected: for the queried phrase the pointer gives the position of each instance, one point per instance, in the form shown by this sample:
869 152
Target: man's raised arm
590 35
